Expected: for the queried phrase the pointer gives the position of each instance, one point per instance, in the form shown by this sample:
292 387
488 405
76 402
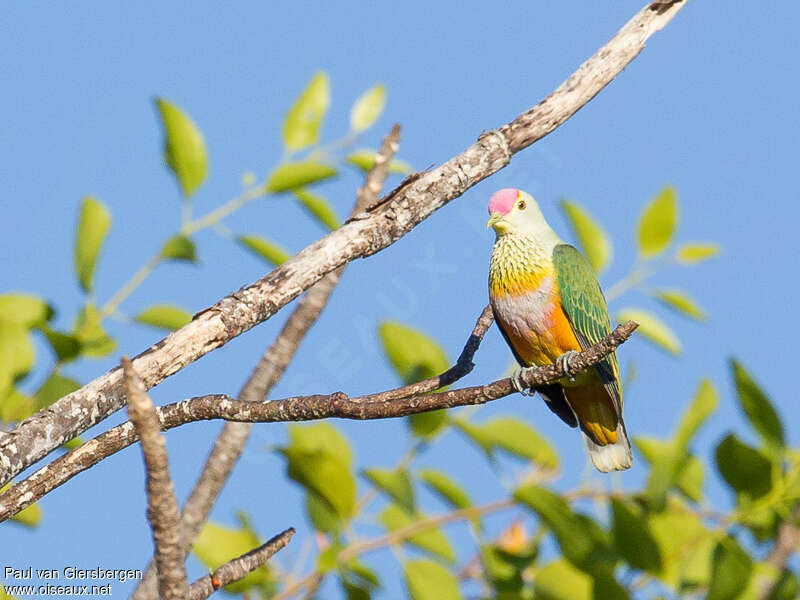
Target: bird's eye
521 205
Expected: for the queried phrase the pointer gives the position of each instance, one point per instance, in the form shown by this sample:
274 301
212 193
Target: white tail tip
611 457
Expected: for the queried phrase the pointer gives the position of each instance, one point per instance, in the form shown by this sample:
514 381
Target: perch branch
384 405
162 507
367 233
238 568
231 440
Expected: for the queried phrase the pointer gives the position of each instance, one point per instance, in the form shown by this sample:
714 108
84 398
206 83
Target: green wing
585 307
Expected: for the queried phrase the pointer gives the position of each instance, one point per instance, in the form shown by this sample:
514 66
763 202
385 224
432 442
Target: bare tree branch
786 544
162 507
364 235
231 440
384 405
238 568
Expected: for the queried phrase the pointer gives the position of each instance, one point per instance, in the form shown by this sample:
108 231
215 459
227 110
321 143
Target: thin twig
238 568
383 405
400 535
162 507
270 368
786 544
412 203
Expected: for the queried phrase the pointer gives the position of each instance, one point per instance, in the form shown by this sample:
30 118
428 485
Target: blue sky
709 107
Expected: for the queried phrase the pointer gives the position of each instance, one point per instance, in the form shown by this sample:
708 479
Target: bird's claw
518 384
562 362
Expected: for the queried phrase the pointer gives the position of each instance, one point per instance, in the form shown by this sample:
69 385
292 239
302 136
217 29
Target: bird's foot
562 362
518 384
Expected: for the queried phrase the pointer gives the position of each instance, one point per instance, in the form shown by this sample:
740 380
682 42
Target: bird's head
514 211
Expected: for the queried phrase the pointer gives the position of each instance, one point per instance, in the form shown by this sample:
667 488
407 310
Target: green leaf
632 536
428 424
318 207
355 568
73 443
478 435
731 568
26 309
30 516
680 301
302 124
513 436
395 483
652 328
702 407
321 437
328 557
264 248
504 570
320 459
690 479
294 175
184 147
592 238
445 487
164 316
559 580
89 332
218 544
517 437
322 516
413 354
56 386
179 247
354 592
93 224
367 108
358 580
757 407
607 588
657 223
394 517
693 253
326 476
684 543
16 354
744 468
66 347
365 160
14 405
670 468
428 580
581 540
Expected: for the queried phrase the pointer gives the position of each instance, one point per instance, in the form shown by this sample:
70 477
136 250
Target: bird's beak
497 222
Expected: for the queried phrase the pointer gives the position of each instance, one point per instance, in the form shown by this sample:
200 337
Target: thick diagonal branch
383 405
238 568
231 440
366 234
162 506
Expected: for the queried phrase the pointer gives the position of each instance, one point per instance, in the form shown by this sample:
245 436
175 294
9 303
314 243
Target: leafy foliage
93 225
304 119
368 108
660 538
184 147
264 248
657 223
164 316
653 328
594 242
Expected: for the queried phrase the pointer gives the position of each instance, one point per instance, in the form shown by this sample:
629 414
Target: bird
548 306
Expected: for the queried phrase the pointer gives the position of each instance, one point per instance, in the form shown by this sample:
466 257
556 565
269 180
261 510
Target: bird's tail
611 457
